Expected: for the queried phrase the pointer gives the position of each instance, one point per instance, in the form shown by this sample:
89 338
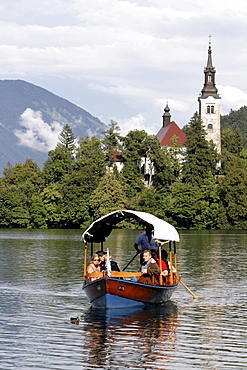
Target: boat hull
117 293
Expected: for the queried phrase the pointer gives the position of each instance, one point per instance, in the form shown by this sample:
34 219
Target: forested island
80 181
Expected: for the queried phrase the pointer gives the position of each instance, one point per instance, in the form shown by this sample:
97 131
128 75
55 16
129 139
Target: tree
231 141
134 147
52 198
191 206
60 159
231 144
108 196
27 174
236 120
233 193
58 164
14 210
135 144
67 139
73 208
38 213
20 184
164 172
89 166
111 141
201 156
150 201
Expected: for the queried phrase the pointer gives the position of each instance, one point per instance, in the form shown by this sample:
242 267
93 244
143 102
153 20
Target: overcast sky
123 59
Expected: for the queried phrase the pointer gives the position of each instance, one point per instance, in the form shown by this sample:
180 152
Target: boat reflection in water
130 338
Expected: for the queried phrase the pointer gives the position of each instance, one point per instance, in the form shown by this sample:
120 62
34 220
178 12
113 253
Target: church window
208 109
210 126
212 109
209 78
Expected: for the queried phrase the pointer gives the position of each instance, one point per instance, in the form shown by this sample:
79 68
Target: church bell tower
209 103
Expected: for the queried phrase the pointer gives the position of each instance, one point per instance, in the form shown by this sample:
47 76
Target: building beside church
209 104
115 159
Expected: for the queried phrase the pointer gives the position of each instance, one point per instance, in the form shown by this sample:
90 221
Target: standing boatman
146 241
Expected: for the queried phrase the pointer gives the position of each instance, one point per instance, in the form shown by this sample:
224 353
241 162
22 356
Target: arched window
210 126
208 109
212 109
209 78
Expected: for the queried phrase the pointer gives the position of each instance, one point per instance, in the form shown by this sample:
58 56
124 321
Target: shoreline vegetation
80 181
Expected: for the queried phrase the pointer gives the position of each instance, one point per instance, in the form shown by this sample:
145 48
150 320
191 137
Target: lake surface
41 289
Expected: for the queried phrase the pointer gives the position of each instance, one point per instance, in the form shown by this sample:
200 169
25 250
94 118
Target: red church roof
166 133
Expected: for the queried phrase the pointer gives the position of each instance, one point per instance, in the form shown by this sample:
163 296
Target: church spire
166 116
209 88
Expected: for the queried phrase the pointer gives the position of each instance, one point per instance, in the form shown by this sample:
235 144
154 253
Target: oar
131 261
190 291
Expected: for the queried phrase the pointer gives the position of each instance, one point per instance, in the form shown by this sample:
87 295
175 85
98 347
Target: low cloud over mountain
31 119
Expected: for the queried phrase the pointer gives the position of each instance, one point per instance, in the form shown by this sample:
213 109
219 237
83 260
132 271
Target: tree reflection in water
143 338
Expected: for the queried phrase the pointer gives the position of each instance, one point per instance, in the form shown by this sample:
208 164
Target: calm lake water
41 289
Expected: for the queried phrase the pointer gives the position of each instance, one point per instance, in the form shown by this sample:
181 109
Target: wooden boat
114 289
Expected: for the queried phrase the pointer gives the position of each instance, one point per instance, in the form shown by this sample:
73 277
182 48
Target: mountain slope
31 119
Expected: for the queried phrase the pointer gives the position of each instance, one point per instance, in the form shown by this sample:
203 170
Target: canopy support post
85 260
170 258
160 266
175 257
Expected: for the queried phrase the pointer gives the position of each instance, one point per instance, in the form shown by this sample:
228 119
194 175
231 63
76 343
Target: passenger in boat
114 266
146 241
149 265
94 266
102 258
103 255
164 262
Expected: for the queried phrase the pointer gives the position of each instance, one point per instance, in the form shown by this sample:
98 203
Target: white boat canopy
101 228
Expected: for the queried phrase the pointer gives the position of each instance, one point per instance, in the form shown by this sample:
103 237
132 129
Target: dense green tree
28 174
131 180
60 160
108 197
67 139
236 120
76 188
111 141
22 183
232 145
233 194
90 164
134 147
52 198
191 206
151 200
13 207
38 213
73 207
243 156
164 173
201 156
58 164
135 144
231 141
